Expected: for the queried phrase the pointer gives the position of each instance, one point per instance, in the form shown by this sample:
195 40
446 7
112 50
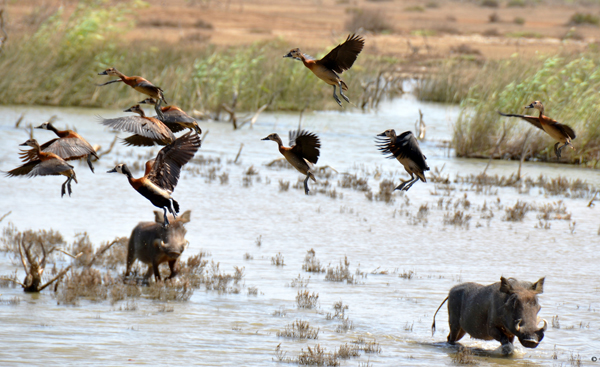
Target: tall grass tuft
58 65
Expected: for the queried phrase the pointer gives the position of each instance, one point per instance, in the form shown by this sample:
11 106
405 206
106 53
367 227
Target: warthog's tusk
545 327
518 325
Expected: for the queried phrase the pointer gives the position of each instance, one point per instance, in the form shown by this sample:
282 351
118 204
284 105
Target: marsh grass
192 74
311 263
299 330
517 212
565 83
304 299
340 273
386 191
277 260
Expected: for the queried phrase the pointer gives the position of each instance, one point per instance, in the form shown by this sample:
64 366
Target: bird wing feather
169 160
405 146
343 56
68 148
150 128
305 144
535 121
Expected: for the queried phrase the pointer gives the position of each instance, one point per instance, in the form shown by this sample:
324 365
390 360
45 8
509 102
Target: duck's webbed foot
336 97
89 162
306 190
405 185
166 223
172 209
62 189
342 93
557 150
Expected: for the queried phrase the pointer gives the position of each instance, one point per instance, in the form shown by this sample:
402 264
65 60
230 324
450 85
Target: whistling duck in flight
148 130
175 118
69 146
335 62
405 148
563 133
138 83
302 153
45 164
161 176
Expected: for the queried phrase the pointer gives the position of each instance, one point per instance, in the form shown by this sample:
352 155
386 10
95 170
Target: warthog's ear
185 217
538 287
159 217
505 286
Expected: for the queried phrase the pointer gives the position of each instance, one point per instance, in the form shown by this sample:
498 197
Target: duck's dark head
109 71
273 137
121 168
294 54
390 133
30 143
536 104
136 109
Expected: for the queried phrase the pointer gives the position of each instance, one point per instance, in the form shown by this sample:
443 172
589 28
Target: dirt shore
425 28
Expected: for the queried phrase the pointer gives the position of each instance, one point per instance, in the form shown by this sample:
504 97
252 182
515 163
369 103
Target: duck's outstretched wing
535 121
405 146
169 160
69 148
305 144
147 127
565 129
142 141
174 117
343 56
51 167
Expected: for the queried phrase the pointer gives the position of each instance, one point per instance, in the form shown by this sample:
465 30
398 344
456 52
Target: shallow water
240 329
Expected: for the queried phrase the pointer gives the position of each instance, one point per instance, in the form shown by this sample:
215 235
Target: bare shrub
299 330
277 260
369 20
311 263
306 300
517 212
386 191
340 273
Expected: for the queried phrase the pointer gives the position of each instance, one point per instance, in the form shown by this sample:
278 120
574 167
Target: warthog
154 244
498 311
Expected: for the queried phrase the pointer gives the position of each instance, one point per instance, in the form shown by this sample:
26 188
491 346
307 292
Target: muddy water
403 265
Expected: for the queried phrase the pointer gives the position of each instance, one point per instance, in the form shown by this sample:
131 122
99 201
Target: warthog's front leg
506 341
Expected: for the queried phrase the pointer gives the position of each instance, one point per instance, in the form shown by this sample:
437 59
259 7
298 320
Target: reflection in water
403 256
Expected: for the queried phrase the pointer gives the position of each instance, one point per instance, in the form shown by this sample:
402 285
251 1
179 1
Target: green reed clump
566 84
58 65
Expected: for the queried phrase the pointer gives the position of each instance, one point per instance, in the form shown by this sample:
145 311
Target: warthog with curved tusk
152 243
498 311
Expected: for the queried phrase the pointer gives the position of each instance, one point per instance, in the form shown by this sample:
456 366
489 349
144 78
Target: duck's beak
198 129
147 101
39 127
23 145
529 106
114 170
382 134
103 73
128 110
267 138
289 55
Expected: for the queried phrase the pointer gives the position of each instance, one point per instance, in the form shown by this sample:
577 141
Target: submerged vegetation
567 84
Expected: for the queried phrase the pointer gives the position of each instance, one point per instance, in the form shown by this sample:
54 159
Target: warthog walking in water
154 244
498 311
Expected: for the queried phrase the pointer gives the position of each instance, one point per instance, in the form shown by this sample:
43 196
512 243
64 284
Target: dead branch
100 252
591 203
110 148
253 119
420 127
12 280
204 135
231 110
19 120
5 215
496 148
238 154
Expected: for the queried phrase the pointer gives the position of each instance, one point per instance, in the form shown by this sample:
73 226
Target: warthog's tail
433 325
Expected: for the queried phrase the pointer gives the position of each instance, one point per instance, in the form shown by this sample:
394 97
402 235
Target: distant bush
584 19
490 3
369 20
519 20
